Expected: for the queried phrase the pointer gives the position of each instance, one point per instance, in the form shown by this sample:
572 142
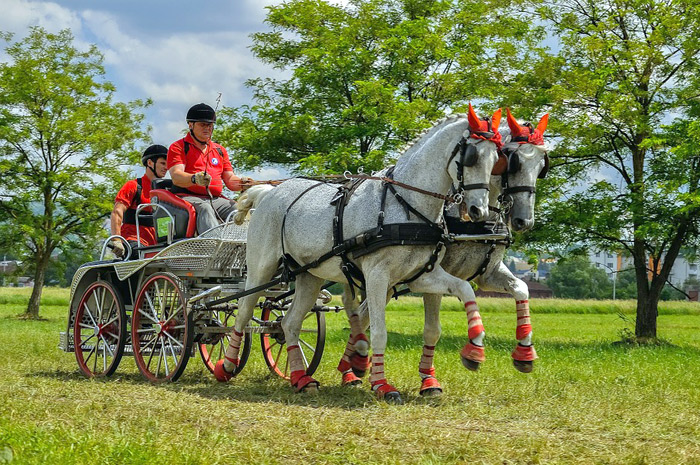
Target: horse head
527 161
474 160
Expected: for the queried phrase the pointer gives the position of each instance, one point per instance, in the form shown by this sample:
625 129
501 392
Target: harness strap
516 189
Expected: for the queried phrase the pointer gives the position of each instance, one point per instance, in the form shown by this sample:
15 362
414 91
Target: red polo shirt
125 196
196 160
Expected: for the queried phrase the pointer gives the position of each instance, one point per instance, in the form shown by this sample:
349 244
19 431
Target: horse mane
425 134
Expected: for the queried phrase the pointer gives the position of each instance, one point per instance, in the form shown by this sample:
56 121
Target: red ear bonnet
524 134
477 126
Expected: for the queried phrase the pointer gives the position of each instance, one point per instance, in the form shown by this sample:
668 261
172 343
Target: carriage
155 305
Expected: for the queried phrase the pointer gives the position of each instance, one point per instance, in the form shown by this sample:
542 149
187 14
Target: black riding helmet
154 152
201 113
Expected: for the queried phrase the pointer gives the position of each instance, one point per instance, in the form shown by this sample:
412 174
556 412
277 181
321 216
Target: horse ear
542 125
496 120
545 168
474 121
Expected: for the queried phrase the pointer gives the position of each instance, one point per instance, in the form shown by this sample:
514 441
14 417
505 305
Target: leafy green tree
366 77
62 142
577 278
626 181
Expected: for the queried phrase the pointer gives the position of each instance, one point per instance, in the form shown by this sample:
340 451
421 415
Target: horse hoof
431 392
523 366
311 388
470 365
393 398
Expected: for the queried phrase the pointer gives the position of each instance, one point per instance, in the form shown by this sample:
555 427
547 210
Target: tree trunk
39 275
647 298
647 311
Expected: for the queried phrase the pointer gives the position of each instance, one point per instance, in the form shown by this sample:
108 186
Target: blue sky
176 53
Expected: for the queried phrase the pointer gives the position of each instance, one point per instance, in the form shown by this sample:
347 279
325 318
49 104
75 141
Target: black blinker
513 162
471 156
545 168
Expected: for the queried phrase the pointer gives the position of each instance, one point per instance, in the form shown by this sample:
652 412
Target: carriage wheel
99 331
160 329
312 339
214 350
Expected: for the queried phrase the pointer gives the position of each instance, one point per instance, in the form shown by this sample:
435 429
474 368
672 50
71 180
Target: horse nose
477 213
521 224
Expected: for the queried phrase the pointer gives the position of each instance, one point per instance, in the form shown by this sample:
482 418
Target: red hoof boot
349 379
389 394
220 372
301 382
430 387
472 356
523 357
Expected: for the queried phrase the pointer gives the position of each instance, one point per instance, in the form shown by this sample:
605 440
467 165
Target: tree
365 78
62 141
577 278
627 181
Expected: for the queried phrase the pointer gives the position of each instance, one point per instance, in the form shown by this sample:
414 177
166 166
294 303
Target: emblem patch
214 161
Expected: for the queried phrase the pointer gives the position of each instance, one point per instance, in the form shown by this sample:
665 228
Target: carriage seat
182 211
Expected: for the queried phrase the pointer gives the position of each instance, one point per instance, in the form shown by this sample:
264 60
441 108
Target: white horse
527 161
295 221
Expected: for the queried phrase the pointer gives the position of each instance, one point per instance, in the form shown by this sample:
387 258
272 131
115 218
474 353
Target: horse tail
249 200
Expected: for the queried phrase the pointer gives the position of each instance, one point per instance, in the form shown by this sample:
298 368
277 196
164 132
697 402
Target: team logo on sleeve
214 161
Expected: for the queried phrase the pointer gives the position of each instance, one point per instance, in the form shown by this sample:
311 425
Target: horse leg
377 285
225 369
307 287
501 278
431 334
355 360
440 282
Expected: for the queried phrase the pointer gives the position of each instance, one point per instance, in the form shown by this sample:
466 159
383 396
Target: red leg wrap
300 380
360 363
429 372
473 353
524 354
344 366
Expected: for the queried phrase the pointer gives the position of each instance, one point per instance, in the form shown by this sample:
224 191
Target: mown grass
589 399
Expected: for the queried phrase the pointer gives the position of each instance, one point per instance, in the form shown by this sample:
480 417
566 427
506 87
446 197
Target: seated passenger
131 195
200 168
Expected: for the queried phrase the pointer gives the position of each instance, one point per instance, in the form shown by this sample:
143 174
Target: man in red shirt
123 219
200 168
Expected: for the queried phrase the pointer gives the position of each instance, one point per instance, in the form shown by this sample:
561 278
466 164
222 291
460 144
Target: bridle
469 156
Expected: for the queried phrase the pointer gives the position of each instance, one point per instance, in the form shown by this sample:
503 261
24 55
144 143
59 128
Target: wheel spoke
102 302
104 357
303 357
83 325
89 314
172 352
165 359
173 314
92 351
152 307
173 339
116 337
108 348
86 340
146 330
148 316
311 348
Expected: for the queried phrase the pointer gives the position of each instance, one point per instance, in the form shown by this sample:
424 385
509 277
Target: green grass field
589 400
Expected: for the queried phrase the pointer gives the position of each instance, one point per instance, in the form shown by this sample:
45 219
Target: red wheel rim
160 329
98 330
213 351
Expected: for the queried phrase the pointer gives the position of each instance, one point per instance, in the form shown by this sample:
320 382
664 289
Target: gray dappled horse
527 161
295 219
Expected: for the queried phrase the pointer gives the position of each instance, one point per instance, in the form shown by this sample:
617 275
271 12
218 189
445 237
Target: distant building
682 270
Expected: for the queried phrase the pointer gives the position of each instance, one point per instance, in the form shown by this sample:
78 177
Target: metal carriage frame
156 309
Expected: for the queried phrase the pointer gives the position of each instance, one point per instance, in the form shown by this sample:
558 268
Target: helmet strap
195 137
152 168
